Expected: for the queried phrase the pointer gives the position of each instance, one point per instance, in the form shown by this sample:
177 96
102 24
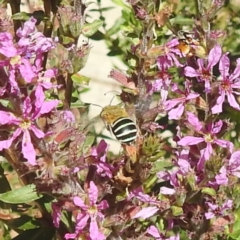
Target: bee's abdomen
125 130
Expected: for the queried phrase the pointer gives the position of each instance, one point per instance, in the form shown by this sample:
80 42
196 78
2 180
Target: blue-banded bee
118 122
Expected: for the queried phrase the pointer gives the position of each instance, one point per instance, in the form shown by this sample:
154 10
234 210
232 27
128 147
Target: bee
119 123
190 46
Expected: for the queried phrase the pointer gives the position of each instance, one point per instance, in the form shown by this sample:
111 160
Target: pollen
25 124
15 60
226 85
208 138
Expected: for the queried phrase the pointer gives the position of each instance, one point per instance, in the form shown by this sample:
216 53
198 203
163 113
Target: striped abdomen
125 130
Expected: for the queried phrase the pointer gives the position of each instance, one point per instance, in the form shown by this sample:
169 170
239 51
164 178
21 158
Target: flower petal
28 150
92 193
146 212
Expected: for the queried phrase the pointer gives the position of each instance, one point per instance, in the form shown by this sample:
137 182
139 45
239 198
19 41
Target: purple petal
26 70
207 151
103 205
27 107
81 222
192 96
221 178
28 28
102 146
224 66
189 140
236 72
214 56
235 157
56 214
177 112
40 96
70 235
172 103
232 101
218 106
167 191
6 45
209 215
191 72
194 121
8 118
48 106
146 212
224 144
95 234
217 127
93 193
79 202
5 144
37 132
152 230
28 150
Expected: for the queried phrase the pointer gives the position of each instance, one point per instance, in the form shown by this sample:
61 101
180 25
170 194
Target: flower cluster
178 180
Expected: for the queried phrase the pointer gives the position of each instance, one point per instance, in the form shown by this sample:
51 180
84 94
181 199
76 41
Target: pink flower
230 168
204 71
162 83
99 154
229 82
26 124
20 56
7 47
153 231
209 138
216 210
187 95
169 57
90 210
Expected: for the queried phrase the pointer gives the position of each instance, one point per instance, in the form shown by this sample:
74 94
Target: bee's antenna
113 96
112 91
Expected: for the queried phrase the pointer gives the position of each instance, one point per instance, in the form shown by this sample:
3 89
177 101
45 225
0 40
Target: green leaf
177 211
21 195
24 223
209 191
97 36
102 9
21 16
122 4
80 79
36 234
90 28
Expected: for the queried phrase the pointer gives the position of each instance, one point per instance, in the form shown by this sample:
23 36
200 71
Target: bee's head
110 114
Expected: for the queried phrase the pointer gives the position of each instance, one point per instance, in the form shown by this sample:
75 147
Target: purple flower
153 231
170 53
26 124
216 210
90 210
21 55
209 137
229 82
99 154
7 47
187 95
56 214
204 71
163 81
231 167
